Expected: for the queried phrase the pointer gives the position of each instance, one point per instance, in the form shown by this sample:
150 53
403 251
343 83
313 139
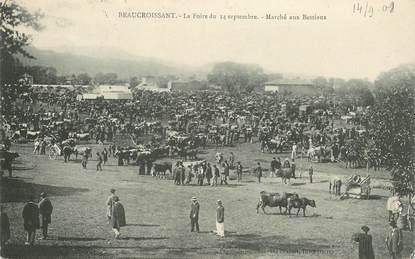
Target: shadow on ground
17 190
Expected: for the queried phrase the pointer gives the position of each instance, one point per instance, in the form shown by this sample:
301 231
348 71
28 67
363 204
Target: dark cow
188 153
299 203
285 173
160 169
274 200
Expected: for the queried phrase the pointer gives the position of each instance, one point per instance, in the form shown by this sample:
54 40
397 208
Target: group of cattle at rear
286 200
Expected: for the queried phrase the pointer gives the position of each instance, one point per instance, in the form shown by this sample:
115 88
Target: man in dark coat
45 210
194 215
365 244
258 172
208 173
273 167
30 220
117 216
5 228
239 169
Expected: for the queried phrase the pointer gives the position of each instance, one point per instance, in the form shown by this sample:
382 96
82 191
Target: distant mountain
69 61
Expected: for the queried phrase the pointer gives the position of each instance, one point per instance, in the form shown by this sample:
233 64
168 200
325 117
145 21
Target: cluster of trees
234 77
391 124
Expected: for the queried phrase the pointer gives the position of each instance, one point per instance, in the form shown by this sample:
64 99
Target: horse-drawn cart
357 187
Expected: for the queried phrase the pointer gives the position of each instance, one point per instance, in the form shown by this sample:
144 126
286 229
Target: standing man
99 163
117 216
215 175
182 173
84 160
239 171
45 210
223 174
30 220
5 228
365 244
273 167
310 173
226 169
194 215
232 160
220 219
294 152
394 241
177 174
110 202
258 172
293 169
208 173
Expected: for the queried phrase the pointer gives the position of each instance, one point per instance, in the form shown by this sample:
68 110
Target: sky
346 44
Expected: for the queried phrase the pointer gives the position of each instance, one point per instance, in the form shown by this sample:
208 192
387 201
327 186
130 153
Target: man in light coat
194 215
220 219
110 201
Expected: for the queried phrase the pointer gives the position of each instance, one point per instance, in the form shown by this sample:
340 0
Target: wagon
357 187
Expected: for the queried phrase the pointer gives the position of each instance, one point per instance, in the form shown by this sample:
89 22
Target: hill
125 65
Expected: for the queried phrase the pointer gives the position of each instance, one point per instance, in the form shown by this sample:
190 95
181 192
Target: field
157 212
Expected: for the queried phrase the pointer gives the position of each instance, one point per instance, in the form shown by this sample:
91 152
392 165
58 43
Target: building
294 86
108 92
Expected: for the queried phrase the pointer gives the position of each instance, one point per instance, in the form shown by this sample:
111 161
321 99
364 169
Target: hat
219 202
194 198
365 228
43 194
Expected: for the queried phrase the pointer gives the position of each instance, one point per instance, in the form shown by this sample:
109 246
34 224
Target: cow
299 203
82 150
274 200
160 169
188 153
285 173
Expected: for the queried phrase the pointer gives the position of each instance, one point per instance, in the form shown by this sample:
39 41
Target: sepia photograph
207 129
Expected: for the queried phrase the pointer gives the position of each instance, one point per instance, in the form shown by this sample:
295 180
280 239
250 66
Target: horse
299 203
335 185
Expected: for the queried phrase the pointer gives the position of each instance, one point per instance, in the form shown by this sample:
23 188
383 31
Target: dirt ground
157 212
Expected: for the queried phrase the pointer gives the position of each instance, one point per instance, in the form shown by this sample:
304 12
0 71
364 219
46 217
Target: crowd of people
180 124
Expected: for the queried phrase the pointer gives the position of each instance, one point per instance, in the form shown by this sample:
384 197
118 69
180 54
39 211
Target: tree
134 82
391 124
322 85
237 77
13 17
107 78
83 79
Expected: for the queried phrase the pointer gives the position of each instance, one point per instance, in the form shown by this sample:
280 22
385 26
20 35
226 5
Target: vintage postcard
207 129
